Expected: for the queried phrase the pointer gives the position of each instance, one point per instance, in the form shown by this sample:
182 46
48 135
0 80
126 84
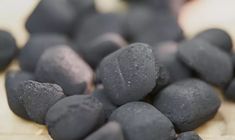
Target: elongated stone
141 121
62 66
210 63
129 74
188 103
74 117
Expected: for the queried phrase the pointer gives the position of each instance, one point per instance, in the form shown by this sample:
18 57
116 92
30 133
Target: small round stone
129 74
141 121
74 117
209 63
36 46
110 131
191 135
51 16
218 38
37 98
8 49
188 103
62 66
57 16
12 81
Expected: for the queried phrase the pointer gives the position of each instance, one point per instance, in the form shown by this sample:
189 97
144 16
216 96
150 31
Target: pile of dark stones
132 75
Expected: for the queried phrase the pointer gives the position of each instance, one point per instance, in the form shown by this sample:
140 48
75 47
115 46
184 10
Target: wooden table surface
196 16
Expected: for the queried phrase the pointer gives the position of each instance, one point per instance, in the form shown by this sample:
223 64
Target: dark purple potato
110 131
188 103
62 66
101 95
208 62
218 38
230 91
166 54
74 117
95 26
191 135
35 47
37 98
58 16
149 26
8 49
129 74
12 82
142 121
100 47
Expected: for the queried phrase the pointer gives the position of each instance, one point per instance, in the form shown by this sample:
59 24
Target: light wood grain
195 17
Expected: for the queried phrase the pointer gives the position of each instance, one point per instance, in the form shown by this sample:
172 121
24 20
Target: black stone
35 47
148 26
208 62
101 95
218 38
8 49
189 136
12 81
100 47
110 131
97 25
188 103
58 16
74 117
166 54
129 74
37 98
141 121
62 66
230 91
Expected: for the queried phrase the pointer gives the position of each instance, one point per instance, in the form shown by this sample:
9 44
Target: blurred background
193 17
